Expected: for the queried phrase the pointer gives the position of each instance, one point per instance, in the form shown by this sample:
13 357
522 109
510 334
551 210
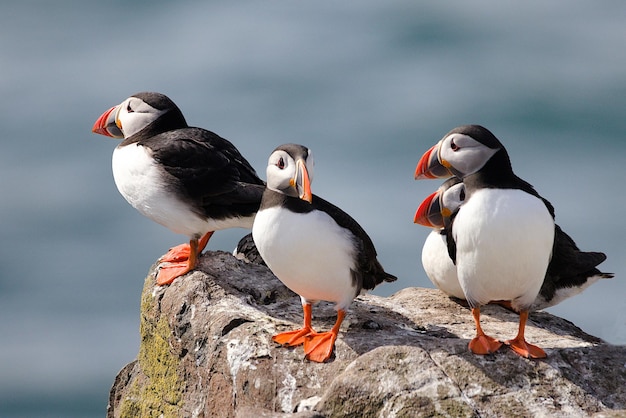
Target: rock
206 351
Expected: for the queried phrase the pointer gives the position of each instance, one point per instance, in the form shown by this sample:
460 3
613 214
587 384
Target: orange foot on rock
519 344
482 343
319 347
181 259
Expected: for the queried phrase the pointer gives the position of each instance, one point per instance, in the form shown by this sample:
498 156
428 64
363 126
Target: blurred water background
367 85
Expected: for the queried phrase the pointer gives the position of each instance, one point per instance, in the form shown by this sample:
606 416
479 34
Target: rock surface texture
206 351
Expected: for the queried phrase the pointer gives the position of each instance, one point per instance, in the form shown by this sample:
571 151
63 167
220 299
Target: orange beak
429 166
106 125
303 182
429 212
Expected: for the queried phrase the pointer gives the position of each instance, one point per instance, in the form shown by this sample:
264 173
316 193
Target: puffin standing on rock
570 270
312 246
187 179
502 236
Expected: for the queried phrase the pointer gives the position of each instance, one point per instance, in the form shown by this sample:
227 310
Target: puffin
247 251
315 248
501 238
570 271
188 179
435 212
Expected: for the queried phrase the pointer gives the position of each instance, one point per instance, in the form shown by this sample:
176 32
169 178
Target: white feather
143 184
308 252
504 242
439 266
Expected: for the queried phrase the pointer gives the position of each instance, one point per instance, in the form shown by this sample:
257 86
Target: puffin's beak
429 166
107 124
302 183
429 212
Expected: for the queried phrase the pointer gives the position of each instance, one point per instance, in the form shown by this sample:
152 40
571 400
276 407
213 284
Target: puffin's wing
450 242
208 167
369 270
567 260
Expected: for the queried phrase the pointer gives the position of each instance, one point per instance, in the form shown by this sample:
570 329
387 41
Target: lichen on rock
157 390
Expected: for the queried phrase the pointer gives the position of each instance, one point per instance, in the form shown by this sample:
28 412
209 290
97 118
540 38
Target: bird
570 271
315 248
501 238
187 179
247 251
435 212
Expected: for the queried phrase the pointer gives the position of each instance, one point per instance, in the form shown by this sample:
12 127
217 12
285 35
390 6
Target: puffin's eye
281 163
129 109
453 146
462 195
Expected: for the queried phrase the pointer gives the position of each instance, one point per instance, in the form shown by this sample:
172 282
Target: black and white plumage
187 179
570 270
502 237
247 251
435 212
312 246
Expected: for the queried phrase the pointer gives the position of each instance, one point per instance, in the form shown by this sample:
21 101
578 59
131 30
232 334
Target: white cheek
278 179
136 121
467 160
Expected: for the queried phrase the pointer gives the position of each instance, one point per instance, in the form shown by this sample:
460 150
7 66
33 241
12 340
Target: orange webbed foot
180 260
292 338
176 254
525 349
319 347
167 273
519 344
484 344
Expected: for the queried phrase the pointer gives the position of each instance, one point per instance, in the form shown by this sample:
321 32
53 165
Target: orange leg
296 337
519 344
181 259
482 343
181 252
319 347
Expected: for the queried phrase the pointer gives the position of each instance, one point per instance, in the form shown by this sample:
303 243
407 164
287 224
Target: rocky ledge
206 351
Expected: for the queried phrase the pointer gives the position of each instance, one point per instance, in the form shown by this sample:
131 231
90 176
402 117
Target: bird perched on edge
187 179
569 273
312 246
502 237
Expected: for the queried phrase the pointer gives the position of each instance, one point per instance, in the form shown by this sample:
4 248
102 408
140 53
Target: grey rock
206 351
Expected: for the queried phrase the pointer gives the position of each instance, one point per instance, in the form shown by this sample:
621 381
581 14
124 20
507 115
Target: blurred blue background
367 85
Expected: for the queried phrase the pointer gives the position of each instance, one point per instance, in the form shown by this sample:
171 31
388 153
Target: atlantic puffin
569 273
247 251
502 236
316 249
187 179
435 212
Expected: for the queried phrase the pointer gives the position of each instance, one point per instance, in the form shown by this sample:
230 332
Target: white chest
439 267
310 253
143 184
504 243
